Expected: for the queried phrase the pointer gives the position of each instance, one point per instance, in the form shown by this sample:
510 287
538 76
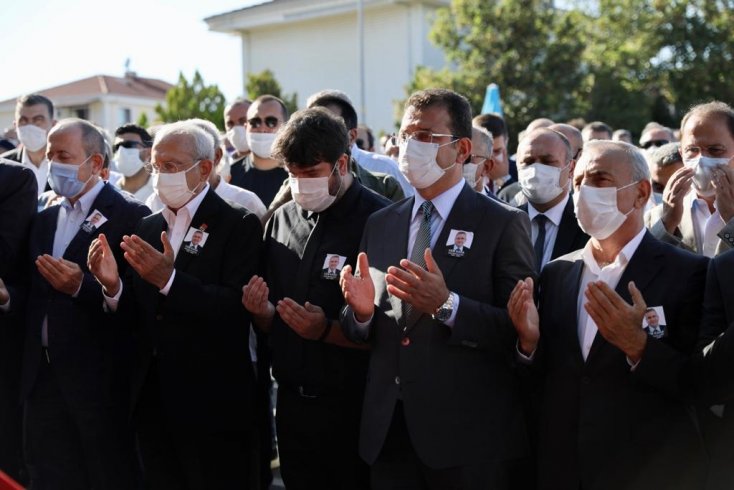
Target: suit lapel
395 246
205 217
51 219
570 286
461 217
104 204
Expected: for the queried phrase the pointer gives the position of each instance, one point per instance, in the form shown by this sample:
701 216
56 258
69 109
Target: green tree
264 83
143 120
193 99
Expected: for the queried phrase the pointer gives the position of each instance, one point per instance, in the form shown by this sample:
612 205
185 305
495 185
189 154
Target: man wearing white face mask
441 406
34 116
321 374
75 383
235 120
544 167
260 172
480 162
613 411
697 212
132 151
192 332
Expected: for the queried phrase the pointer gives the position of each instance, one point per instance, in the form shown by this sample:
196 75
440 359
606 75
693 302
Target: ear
463 147
352 136
97 160
218 153
343 164
205 168
644 189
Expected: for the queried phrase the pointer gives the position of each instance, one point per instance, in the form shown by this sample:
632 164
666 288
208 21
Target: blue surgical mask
64 178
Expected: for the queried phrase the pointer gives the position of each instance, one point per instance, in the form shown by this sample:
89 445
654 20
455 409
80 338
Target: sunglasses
127 144
656 143
270 121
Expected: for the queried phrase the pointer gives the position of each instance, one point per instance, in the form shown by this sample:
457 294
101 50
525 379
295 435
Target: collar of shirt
622 259
85 202
554 214
187 212
443 202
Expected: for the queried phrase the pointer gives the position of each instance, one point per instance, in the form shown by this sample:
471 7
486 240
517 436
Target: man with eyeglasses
656 136
545 167
132 151
441 405
504 171
193 384
75 382
259 172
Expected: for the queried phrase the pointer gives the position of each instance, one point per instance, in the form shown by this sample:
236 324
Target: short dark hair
35 99
597 126
494 123
310 137
348 114
139 130
715 107
649 310
272 98
93 141
370 137
455 104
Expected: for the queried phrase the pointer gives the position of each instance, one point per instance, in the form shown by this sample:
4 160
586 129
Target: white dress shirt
68 222
178 224
141 194
554 215
706 226
609 274
243 197
41 172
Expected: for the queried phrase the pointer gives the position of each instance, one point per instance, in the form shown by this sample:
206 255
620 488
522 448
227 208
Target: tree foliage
264 83
624 62
193 99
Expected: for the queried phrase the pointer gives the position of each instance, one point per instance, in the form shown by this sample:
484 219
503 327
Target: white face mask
238 137
417 162
32 137
703 173
540 183
128 161
173 189
312 194
470 174
597 212
261 143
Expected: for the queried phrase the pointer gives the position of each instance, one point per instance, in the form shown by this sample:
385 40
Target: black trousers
399 468
73 445
317 441
176 459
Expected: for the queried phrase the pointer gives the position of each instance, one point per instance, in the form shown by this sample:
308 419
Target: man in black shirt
259 172
321 374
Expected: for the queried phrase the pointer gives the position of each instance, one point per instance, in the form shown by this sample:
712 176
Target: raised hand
675 190
308 321
101 263
424 289
618 321
524 316
154 267
724 185
63 275
255 298
359 289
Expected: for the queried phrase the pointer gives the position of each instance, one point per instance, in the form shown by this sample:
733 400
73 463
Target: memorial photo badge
653 323
459 242
93 221
332 267
195 240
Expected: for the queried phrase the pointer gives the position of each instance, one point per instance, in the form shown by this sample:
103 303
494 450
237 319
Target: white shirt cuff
78 289
522 357
363 327
168 285
454 309
111 303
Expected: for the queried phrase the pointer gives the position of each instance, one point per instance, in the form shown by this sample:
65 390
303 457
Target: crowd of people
436 314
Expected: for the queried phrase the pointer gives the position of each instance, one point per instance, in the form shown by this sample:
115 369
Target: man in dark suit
74 382
193 382
34 117
17 209
613 414
545 166
441 406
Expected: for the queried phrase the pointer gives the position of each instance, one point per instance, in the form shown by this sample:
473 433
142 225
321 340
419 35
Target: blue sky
47 43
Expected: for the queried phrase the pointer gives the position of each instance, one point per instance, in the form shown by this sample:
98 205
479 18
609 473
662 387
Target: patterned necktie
422 242
539 246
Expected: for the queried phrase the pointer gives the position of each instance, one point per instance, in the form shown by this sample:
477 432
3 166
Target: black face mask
657 187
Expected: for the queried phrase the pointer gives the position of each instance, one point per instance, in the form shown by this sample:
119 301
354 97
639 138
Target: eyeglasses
165 167
656 143
127 144
423 136
256 122
478 159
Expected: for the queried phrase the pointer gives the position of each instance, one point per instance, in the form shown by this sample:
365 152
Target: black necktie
539 245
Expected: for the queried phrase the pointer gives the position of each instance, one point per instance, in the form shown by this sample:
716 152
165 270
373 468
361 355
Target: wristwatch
444 311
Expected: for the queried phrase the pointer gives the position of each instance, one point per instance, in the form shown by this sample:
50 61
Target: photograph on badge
332 266
95 220
459 242
653 323
195 240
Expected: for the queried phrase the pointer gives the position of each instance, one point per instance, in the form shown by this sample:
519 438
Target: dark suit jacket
570 236
458 385
198 334
89 355
603 426
16 155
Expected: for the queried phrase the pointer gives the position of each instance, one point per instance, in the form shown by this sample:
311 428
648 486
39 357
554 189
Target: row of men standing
158 303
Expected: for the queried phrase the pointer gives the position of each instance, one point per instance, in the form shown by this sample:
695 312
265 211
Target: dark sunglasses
127 144
256 122
657 143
